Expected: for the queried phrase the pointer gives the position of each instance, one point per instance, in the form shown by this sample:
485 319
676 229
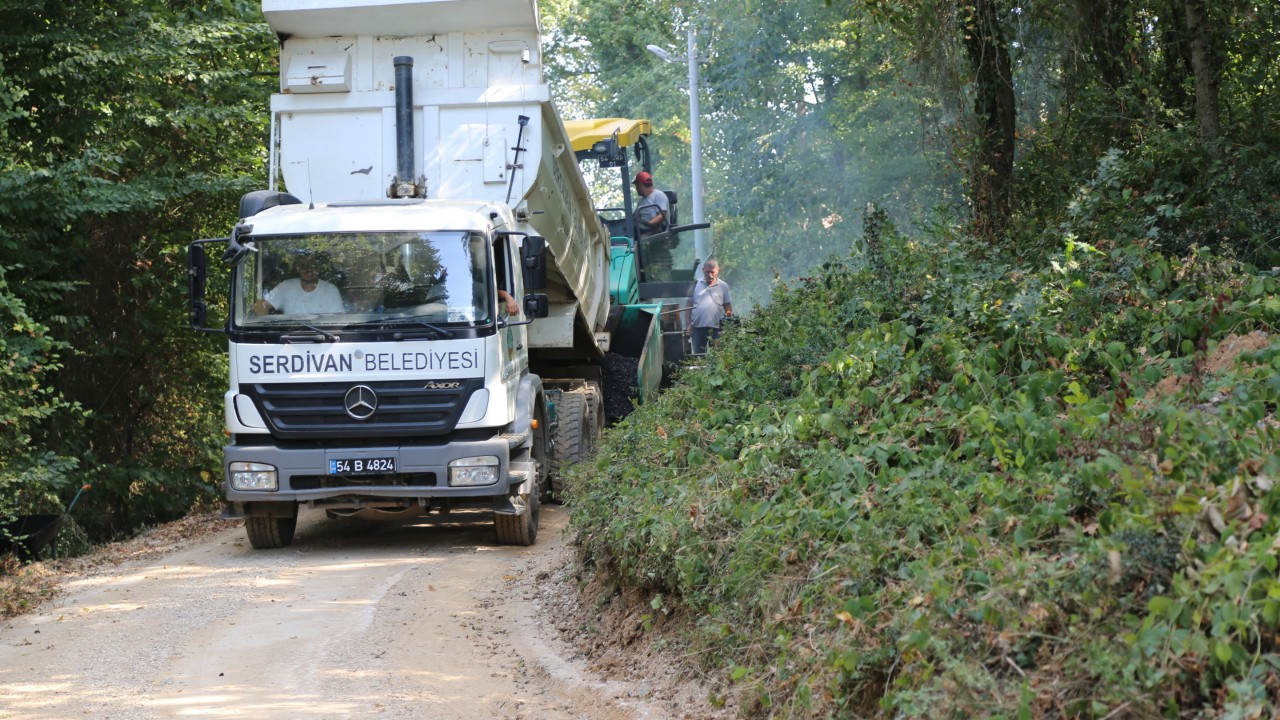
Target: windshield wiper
316 334
397 319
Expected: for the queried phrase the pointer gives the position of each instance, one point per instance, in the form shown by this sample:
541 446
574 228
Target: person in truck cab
304 294
505 301
508 302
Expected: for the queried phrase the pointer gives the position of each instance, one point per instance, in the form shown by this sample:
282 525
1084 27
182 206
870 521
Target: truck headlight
473 471
253 476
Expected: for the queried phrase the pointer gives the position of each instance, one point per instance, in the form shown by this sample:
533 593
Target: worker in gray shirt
709 305
653 212
653 216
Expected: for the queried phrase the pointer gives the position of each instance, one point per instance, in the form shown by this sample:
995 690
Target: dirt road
408 619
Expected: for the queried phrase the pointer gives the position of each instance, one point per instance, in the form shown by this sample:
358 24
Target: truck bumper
422 471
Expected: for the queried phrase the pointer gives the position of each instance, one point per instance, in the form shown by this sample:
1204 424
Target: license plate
362 466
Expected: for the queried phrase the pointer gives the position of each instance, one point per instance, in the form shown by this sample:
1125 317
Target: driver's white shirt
289 297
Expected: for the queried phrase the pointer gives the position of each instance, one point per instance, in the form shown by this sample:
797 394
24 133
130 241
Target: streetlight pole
695 138
695 148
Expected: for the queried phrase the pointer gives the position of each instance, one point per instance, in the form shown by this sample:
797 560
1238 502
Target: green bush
937 480
30 477
127 130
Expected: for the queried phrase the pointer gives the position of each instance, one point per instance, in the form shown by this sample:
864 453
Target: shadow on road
460 530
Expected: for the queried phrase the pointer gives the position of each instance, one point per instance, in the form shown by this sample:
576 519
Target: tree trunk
1175 54
991 170
1206 80
1102 37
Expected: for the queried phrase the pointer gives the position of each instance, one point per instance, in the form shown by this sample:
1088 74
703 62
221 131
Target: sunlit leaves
127 129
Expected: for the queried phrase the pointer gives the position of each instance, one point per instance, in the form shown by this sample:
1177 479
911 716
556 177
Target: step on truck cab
417 306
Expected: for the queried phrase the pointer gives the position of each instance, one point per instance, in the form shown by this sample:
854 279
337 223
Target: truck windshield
345 278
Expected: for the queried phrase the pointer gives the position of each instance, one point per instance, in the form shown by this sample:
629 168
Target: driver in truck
306 293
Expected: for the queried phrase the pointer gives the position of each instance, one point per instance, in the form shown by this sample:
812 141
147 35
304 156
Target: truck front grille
403 408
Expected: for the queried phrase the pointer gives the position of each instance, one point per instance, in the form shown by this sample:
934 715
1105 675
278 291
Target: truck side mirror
534 254
197 281
197 276
199 315
235 252
197 271
536 305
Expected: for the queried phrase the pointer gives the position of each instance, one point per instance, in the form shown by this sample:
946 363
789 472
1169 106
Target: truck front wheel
273 530
519 529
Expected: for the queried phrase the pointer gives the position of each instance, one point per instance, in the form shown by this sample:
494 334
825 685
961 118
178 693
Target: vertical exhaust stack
404 185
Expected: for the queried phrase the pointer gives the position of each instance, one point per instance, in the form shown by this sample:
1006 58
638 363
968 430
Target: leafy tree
129 130
807 115
28 355
812 120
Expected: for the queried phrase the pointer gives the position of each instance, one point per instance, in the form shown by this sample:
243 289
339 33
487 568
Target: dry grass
23 588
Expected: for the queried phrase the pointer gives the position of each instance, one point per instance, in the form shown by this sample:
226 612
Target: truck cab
373 366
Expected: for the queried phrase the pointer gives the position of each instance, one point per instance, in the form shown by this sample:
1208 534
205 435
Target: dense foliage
127 129
996 110
935 481
808 112
1007 459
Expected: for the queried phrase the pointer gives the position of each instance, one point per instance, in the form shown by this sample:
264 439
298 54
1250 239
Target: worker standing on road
709 305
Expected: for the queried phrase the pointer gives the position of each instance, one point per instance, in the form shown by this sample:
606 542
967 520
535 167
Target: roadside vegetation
1007 447
936 479
1000 440
127 130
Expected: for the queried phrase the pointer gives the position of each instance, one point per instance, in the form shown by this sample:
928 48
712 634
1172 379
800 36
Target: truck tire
271 531
519 529
541 453
595 416
571 416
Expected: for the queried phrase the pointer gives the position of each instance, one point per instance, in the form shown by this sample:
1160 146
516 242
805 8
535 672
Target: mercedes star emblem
360 402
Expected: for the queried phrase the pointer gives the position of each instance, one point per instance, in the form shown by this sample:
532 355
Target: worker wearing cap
653 210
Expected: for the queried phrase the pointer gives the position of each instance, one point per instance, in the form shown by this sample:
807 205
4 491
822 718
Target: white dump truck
418 306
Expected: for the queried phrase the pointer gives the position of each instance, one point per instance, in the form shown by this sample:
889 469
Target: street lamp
695 135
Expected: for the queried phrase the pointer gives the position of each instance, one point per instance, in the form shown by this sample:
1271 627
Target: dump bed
477 71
